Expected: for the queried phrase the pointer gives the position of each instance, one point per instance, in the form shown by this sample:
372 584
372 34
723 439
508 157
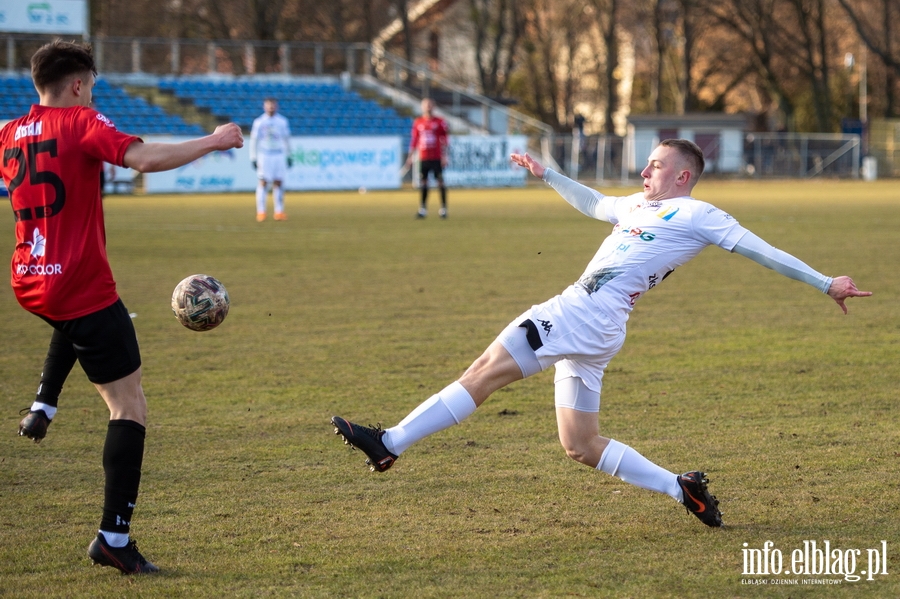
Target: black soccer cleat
127 559
368 440
34 425
697 499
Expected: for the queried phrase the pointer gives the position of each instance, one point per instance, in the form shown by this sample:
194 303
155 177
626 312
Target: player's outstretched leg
127 559
366 439
698 500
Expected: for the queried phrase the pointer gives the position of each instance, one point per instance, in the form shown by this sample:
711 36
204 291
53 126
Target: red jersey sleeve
101 139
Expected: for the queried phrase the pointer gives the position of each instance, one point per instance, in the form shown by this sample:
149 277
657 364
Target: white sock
261 199
115 539
50 411
278 196
620 460
450 406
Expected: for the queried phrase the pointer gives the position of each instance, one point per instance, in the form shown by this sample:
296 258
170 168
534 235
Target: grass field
353 307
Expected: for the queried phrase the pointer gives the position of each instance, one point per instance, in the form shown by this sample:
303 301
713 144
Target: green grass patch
353 307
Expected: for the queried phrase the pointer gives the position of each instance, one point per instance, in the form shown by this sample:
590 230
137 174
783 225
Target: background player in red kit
52 158
429 138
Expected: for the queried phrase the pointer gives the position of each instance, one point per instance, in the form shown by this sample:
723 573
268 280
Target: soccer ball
200 302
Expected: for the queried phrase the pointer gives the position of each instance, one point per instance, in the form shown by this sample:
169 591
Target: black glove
290 162
253 162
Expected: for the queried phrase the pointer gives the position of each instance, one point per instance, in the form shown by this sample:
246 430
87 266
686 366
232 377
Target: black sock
123 455
57 366
423 202
443 197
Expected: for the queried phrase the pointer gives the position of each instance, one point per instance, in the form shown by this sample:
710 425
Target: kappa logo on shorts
546 325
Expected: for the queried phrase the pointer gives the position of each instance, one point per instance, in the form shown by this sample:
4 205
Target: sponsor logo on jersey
105 121
597 279
38 245
667 214
39 269
655 279
635 232
28 130
724 214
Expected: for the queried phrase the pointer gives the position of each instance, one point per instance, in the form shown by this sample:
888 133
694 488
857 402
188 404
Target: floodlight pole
863 95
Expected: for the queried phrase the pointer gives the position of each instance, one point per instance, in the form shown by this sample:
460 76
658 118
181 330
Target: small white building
719 135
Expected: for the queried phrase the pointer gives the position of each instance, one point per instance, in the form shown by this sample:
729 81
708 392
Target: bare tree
812 57
659 20
689 31
498 28
402 8
542 91
605 15
755 24
779 57
874 22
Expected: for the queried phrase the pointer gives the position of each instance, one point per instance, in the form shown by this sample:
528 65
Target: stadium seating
130 113
312 108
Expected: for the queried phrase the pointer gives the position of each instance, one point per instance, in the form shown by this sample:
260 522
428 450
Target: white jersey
270 135
650 240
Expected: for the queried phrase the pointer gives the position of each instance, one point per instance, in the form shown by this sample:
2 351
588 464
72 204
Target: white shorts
570 332
271 166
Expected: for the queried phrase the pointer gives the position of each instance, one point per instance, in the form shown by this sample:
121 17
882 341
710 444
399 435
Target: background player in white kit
270 154
582 329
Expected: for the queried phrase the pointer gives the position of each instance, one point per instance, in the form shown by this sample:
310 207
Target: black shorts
104 341
431 166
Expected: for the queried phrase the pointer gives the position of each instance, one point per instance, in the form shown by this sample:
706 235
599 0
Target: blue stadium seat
313 108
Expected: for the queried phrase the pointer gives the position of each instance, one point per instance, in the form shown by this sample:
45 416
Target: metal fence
765 155
588 157
163 56
802 155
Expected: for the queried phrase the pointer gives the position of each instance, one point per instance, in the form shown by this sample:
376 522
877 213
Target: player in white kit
582 329
270 154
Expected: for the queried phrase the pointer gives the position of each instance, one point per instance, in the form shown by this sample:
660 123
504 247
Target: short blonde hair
690 152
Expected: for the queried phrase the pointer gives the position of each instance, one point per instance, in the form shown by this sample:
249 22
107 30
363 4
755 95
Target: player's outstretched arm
583 198
525 160
155 157
843 288
838 288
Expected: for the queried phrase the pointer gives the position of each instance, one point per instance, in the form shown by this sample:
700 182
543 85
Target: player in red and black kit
52 158
429 138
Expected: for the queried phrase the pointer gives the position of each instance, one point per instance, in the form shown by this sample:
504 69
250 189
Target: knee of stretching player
578 451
